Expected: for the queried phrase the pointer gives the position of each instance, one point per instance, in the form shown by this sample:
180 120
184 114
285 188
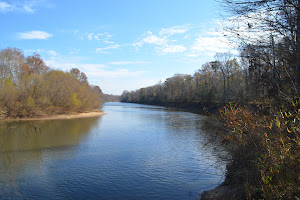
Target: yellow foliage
30 102
276 148
74 101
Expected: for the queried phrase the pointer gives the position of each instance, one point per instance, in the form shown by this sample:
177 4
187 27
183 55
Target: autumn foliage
28 87
268 148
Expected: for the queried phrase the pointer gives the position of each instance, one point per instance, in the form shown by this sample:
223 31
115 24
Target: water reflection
40 135
27 147
179 141
133 152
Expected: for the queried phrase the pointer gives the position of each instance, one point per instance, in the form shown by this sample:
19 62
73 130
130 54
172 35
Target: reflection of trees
210 151
23 144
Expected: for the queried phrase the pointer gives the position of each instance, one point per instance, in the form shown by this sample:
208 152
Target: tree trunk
224 88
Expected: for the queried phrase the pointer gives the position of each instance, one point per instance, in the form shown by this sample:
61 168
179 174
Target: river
133 152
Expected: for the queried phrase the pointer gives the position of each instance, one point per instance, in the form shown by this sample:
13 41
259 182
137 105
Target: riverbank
223 192
73 115
231 188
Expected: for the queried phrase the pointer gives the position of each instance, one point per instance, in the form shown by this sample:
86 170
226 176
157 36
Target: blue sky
120 45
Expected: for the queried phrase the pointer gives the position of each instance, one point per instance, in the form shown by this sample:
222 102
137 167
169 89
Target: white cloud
193 60
90 36
163 42
29 6
174 30
206 44
54 64
5 7
117 85
31 35
210 42
102 37
128 62
108 42
170 49
93 70
114 74
52 53
102 50
46 53
150 38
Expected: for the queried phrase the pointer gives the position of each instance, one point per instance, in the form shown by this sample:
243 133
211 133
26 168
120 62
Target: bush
267 148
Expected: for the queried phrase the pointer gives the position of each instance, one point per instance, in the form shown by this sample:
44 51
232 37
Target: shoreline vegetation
30 89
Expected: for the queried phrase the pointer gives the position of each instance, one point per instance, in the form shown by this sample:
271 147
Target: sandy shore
64 116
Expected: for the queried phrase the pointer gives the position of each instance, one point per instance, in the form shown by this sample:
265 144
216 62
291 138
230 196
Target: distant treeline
252 78
111 98
219 81
28 87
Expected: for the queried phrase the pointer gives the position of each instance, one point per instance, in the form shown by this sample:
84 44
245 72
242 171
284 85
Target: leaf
282 142
271 125
277 123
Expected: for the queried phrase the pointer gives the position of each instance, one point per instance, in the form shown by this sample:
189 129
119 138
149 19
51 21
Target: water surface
133 152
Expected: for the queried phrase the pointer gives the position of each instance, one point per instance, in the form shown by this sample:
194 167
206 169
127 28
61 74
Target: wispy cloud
98 36
50 53
210 43
34 35
170 49
174 30
102 50
163 40
94 71
5 7
150 38
59 64
128 62
114 74
29 6
104 37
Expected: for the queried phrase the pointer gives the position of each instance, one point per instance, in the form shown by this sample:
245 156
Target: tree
223 64
273 28
79 75
36 64
11 62
28 85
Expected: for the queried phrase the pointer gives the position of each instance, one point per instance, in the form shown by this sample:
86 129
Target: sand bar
56 116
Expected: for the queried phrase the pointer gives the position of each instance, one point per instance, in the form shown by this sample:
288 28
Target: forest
259 90
29 88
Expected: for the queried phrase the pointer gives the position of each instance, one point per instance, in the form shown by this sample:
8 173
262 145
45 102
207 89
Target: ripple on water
133 152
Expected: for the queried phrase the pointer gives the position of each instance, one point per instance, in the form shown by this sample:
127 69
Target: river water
134 152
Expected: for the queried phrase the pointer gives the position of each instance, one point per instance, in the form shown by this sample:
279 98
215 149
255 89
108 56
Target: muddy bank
223 192
233 186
